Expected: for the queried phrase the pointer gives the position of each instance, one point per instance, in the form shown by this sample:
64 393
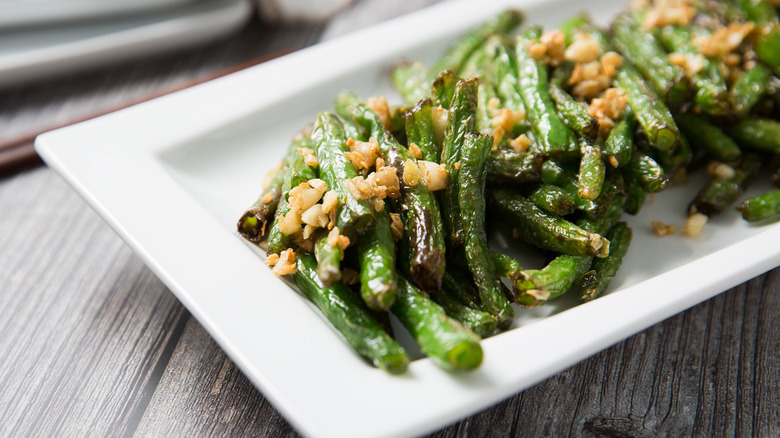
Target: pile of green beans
500 112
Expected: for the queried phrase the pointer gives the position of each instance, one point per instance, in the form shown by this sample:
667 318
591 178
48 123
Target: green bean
554 174
592 170
755 133
376 254
646 105
574 113
482 323
766 38
762 207
345 311
506 266
620 142
646 172
635 197
328 260
297 172
721 193
458 284
711 93
460 121
649 110
709 137
412 79
484 120
443 89
459 52
423 217
562 273
572 25
252 224
419 130
749 88
471 197
480 64
545 231
644 51
759 11
507 79
552 136
508 166
767 44
553 200
354 215
605 269
449 344
678 158
343 101
552 281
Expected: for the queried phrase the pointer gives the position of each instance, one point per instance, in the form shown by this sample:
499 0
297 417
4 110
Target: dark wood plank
704 372
85 324
202 393
712 370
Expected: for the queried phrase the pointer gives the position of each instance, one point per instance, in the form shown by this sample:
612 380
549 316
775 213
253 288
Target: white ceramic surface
15 14
172 176
36 52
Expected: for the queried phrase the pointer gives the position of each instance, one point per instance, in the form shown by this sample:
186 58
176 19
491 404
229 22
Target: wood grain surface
93 344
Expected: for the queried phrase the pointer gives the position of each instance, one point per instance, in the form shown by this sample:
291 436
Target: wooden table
94 344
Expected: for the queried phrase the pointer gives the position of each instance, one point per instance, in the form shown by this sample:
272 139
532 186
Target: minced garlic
439 117
290 223
384 183
315 216
434 175
411 173
689 62
380 107
309 158
363 154
584 48
330 201
610 61
720 170
665 12
521 143
415 150
506 119
695 224
549 49
608 109
306 194
724 39
284 263
661 229
337 240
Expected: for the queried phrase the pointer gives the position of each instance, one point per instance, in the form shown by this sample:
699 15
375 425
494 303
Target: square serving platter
171 177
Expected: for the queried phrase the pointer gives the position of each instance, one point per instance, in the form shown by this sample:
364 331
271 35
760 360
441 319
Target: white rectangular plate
172 176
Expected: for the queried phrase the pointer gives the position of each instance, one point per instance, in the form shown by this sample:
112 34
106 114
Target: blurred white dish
15 14
172 176
36 52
